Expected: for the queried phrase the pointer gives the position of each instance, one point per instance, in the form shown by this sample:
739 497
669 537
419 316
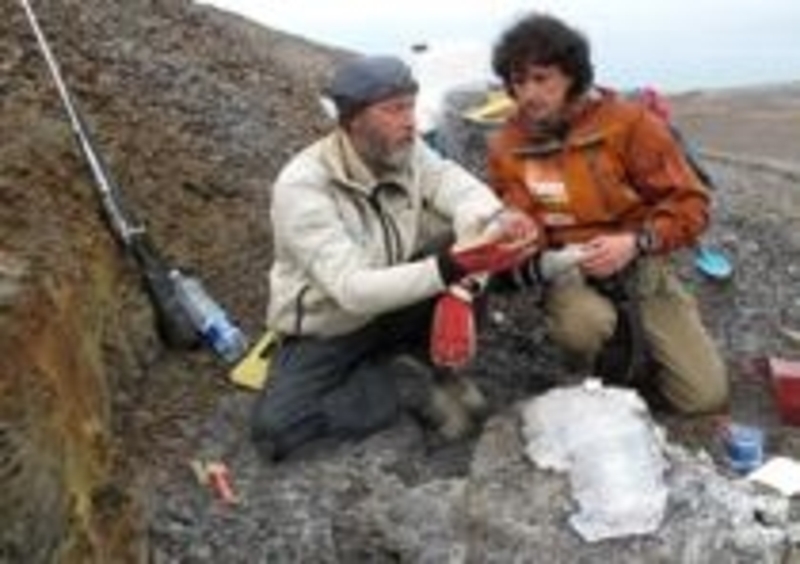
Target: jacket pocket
597 180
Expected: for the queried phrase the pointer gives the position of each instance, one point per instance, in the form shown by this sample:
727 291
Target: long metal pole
174 323
109 193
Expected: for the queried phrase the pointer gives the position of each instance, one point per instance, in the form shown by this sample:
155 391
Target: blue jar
744 447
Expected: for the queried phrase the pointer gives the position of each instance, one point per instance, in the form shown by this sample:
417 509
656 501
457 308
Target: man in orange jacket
604 178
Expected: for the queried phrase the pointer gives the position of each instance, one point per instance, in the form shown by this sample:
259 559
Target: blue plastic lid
713 263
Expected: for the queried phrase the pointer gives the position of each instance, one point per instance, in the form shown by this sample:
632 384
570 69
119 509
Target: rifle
161 281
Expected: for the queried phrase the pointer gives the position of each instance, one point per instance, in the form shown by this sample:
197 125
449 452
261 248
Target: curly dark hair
541 39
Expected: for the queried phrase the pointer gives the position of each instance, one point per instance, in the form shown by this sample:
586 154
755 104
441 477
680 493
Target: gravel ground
195 112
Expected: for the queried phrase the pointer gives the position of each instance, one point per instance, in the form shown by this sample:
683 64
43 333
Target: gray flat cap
363 81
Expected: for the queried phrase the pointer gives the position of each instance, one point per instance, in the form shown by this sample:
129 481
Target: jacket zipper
392 242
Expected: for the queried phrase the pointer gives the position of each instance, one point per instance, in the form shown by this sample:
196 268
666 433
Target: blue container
744 447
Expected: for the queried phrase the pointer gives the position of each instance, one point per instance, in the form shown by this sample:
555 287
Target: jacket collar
348 168
579 129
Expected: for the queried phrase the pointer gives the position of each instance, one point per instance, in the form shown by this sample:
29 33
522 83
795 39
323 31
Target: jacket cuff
449 270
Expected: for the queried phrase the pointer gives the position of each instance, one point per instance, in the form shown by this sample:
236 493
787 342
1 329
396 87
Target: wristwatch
646 241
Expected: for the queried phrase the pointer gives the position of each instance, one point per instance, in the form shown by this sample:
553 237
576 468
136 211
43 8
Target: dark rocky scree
195 111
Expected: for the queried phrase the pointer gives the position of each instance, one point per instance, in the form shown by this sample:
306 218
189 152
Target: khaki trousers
690 375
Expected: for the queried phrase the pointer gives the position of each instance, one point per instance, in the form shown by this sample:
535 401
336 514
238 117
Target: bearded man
369 225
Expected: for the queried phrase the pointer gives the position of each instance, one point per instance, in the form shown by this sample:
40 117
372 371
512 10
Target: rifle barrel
121 222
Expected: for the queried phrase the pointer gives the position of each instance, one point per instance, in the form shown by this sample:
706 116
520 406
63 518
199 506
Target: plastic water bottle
209 319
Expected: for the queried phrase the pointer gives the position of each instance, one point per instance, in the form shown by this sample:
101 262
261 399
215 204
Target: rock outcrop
195 110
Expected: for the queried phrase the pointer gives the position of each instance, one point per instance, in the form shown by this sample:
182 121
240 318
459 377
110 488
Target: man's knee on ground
367 401
583 334
710 395
276 431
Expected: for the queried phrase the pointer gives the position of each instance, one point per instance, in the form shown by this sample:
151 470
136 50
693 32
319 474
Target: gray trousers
340 386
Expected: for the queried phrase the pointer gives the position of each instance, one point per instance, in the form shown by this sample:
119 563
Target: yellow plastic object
495 109
251 372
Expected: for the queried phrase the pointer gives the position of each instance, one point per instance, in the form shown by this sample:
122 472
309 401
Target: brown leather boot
430 399
453 419
464 390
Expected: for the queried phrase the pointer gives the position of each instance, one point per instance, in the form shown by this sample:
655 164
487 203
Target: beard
394 159
383 155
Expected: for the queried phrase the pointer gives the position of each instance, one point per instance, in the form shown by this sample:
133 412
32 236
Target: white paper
606 441
780 473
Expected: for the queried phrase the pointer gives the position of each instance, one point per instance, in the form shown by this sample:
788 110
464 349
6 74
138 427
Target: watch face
644 241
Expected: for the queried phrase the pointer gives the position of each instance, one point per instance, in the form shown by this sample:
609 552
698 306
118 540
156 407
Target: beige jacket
343 239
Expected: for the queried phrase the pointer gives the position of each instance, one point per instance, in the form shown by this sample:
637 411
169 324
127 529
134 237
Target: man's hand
514 227
561 264
508 241
608 254
490 257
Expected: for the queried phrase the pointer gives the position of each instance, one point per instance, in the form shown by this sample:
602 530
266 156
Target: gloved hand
453 340
508 241
494 256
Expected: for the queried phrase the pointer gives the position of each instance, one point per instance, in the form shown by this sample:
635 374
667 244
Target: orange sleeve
676 199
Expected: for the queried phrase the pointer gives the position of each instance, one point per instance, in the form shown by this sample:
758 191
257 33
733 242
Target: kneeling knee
710 397
586 335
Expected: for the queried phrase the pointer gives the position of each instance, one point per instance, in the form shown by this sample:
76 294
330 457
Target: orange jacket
618 169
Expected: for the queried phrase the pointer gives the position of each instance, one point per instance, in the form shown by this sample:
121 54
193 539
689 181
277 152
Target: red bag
494 256
453 341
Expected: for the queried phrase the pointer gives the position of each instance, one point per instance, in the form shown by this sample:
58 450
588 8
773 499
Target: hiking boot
453 420
464 390
428 400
